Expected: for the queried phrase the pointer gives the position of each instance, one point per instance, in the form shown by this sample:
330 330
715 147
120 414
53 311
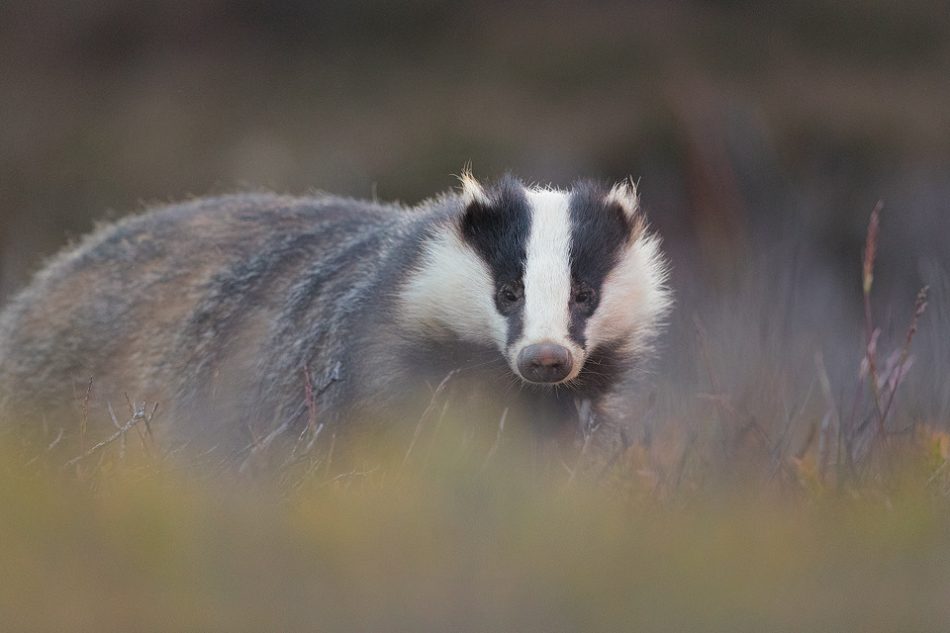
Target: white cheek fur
634 299
452 292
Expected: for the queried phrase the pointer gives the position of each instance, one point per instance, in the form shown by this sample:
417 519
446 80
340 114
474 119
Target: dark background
762 134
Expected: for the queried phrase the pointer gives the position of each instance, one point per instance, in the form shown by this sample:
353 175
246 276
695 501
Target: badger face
549 277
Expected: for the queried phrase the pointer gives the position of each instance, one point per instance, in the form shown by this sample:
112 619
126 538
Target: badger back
215 305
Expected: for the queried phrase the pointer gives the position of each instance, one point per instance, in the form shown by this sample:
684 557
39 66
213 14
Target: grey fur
221 308
256 286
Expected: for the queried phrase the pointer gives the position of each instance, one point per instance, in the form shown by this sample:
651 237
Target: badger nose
545 362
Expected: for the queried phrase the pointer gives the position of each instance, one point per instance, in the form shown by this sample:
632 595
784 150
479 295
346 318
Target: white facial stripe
547 275
453 292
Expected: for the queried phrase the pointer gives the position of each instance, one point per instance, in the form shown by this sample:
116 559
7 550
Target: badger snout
545 362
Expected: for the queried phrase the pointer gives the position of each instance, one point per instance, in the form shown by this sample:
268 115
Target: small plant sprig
860 439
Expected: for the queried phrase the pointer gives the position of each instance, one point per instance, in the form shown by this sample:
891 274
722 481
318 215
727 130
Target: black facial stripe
499 234
576 328
515 326
599 233
605 364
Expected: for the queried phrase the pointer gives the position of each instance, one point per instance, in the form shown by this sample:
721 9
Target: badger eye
584 298
509 294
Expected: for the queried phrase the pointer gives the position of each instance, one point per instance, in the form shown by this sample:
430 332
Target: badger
255 313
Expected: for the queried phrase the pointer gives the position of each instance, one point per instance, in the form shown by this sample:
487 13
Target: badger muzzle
545 363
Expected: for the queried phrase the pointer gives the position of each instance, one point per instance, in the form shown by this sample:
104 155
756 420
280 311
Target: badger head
553 279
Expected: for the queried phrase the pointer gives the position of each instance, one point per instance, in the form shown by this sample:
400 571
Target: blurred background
762 134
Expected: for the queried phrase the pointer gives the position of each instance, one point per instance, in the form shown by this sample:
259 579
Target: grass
726 507
445 548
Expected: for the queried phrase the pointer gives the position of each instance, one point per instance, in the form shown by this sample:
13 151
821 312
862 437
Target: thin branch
112 438
426 413
920 306
497 442
870 255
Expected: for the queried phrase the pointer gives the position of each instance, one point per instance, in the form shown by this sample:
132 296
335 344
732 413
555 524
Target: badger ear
473 194
624 195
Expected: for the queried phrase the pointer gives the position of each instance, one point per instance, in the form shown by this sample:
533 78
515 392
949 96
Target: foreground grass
445 548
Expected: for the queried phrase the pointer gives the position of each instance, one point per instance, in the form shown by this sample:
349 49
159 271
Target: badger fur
247 313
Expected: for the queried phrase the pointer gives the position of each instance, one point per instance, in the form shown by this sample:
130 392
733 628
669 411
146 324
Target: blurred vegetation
135 543
783 468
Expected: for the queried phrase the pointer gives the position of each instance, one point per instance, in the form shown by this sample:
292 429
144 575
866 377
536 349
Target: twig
349 475
824 435
691 438
262 445
435 434
782 443
115 423
936 474
426 413
590 425
625 444
84 415
718 396
311 399
122 429
870 255
55 442
494 446
49 447
148 427
329 453
920 306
